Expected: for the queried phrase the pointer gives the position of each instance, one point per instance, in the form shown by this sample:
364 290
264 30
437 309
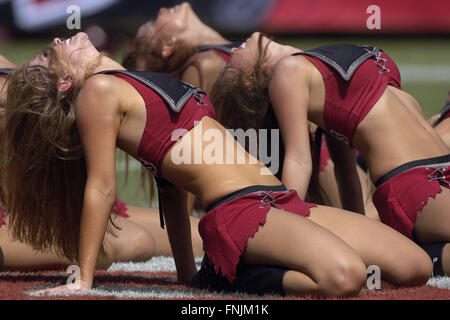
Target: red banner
353 16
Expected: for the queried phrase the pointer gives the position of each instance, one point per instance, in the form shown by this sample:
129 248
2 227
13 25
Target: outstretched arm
98 121
289 94
347 178
179 231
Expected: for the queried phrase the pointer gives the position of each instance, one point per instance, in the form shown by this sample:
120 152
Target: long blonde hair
42 166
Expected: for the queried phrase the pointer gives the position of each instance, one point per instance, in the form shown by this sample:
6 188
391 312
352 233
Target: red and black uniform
355 77
225 230
173 107
229 222
405 190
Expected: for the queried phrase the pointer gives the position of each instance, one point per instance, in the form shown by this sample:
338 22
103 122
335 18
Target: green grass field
423 62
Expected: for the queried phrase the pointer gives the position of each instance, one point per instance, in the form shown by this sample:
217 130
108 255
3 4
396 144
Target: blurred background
415 33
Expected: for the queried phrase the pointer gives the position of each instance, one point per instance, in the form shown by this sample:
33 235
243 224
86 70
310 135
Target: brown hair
2 104
145 50
150 52
42 167
243 101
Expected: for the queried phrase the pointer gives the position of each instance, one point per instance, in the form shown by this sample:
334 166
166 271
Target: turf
156 279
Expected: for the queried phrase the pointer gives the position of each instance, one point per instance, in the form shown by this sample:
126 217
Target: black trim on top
344 58
173 91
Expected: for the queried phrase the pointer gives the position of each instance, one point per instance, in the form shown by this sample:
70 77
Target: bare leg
327 181
321 263
371 211
368 189
329 185
139 239
19 256
149 219
401 261
132 244
433 224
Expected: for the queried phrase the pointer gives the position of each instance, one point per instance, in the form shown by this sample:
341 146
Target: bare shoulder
101 91
98 85
291 69
293 64
100 88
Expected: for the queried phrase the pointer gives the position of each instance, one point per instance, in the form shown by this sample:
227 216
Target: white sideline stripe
439 282
155 264
425 73
121 292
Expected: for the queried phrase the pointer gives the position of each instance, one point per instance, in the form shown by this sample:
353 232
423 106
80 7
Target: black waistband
243 192
410 165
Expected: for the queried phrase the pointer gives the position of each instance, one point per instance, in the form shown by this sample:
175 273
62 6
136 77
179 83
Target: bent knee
135 246
142 245
343 279
422 268
415 269
107 257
